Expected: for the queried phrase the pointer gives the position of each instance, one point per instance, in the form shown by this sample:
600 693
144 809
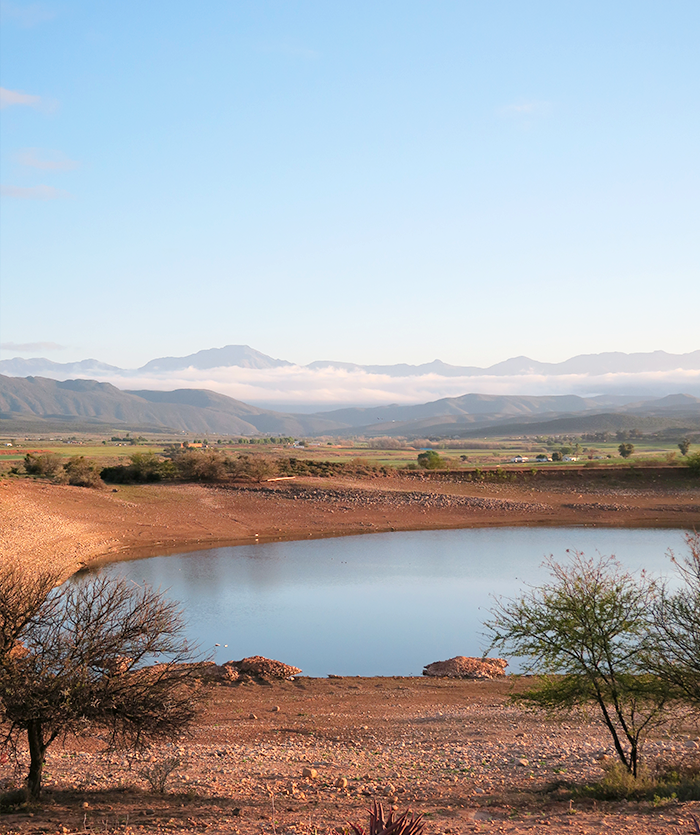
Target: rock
252 716
523 762
462 667
309 773
341 783
263 668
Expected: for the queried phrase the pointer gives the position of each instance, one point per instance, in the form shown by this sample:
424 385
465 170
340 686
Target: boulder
462 667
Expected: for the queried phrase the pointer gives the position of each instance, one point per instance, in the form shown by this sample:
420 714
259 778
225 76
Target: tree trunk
37 753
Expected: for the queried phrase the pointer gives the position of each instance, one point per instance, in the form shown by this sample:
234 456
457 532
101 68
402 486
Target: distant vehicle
542 458
570 458
519 459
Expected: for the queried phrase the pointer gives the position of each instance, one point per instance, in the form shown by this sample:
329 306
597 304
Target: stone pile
463 667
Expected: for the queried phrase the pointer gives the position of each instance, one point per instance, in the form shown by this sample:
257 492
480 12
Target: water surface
380 604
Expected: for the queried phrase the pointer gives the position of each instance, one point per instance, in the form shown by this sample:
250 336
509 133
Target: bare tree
82 656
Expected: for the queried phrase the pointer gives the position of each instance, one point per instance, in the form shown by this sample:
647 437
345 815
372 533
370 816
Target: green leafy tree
76 657
588 632
684 446
626 450
676 656
430 460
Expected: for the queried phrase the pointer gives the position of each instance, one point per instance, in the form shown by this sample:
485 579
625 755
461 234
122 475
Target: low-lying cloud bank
298 388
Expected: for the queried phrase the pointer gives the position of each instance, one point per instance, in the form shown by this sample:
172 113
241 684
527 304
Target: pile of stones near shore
471 668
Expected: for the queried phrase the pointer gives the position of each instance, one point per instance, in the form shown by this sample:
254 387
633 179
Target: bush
201 465
254 467
45 464
143 467
693 463
430 460
82 472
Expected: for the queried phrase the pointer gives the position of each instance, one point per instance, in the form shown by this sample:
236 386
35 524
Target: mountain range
36 404
243 356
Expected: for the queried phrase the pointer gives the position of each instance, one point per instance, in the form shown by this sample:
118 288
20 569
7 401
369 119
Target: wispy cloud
10 97
26 16
32 346
46 160
525 108
34 192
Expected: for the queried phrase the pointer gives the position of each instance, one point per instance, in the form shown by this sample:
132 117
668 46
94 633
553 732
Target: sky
359 181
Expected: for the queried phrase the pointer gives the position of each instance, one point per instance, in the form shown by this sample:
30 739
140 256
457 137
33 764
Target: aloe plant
379 824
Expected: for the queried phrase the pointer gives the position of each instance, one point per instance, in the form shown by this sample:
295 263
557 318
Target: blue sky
360 181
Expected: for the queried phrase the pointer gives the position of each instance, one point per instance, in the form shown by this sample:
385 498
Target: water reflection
382 604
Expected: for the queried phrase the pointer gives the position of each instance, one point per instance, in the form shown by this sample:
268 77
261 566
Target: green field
460 454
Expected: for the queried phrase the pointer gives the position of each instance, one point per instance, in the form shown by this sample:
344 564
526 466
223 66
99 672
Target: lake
381 604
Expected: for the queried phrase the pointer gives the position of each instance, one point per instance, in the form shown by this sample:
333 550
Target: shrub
44 464
430 460
82 472
693 463
143 467
201 465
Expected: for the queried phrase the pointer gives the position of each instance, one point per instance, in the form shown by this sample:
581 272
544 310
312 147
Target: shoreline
69 529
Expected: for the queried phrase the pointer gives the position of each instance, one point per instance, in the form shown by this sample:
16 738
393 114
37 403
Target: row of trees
599 636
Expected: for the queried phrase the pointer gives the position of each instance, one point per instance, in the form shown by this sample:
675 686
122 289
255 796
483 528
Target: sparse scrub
82 472
157 773
45 464
202 465
143 467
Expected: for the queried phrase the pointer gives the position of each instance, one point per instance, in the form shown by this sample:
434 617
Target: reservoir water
381 604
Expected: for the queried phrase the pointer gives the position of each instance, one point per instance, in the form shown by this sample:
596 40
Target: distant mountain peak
241 356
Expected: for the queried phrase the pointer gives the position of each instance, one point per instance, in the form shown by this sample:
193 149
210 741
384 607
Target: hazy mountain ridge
243 356
36 401
101 404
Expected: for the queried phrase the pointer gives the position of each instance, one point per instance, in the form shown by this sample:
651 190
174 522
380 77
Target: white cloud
45 160
34 192
32 346
10 97
328 389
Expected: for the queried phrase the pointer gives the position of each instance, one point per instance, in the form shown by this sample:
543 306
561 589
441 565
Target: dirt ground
455 751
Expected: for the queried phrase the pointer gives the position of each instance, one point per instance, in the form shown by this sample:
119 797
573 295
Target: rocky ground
455 751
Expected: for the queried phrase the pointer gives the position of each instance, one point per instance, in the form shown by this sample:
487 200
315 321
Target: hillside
37 402
34 404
